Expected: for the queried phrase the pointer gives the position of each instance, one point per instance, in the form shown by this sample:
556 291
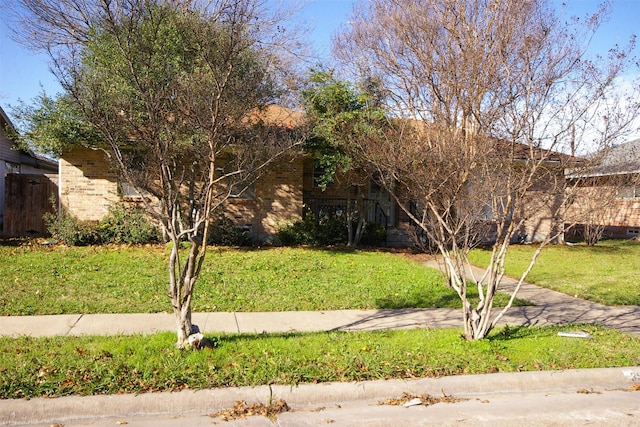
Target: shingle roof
619 160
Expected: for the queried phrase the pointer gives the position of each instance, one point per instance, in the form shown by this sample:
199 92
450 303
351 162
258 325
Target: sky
24 74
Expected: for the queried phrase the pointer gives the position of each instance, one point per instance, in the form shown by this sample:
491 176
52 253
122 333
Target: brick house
27 183
89 186
608 194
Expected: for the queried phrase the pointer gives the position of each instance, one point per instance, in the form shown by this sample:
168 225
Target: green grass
608 273
31 367
129 279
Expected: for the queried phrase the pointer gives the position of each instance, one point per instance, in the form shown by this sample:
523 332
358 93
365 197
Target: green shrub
224 232
327 230
121 225
70 230
314 230
127 225
374 235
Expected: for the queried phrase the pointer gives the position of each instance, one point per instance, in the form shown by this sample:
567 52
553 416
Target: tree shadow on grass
418 300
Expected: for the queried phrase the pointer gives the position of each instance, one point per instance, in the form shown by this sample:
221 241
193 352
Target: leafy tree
175 94
490 92
340 114
49 124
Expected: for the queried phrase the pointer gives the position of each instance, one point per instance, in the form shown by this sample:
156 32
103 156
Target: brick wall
278 200
88 187
88 184
599 205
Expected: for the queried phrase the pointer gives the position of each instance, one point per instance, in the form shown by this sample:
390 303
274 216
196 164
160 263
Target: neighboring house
27 183
608 194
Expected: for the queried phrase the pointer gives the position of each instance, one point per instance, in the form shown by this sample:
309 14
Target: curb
41 410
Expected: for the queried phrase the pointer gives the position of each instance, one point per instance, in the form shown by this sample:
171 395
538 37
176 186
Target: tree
489 93
340 114
176 93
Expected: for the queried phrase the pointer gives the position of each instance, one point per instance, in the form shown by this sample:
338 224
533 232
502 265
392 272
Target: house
27 184
89 186
607 195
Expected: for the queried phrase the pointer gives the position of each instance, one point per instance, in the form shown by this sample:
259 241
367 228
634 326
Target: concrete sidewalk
626 319
550 308
549 398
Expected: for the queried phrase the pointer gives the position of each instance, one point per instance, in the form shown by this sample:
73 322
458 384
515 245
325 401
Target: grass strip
608 273
58 366
39 280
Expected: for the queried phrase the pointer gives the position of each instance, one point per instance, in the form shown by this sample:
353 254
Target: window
243 190
128 191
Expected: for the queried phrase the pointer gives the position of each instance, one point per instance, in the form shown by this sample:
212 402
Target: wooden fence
27 199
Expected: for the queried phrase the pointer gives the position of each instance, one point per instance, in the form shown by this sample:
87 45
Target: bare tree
489 93
176 92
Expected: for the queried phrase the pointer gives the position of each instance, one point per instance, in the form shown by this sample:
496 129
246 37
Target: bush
327 230
121 225
127 225
70 230
314 230
224 232
374 235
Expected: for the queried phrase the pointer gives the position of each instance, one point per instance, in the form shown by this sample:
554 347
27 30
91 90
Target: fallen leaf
425 400
241 410
585 391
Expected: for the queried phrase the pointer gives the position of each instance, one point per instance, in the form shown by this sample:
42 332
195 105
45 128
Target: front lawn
58 366
608 273
37 279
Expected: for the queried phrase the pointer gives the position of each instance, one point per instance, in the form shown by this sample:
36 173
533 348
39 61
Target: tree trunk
183 324
349 218
356 214
181 281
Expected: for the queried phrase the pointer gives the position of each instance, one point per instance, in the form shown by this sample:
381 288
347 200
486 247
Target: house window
243 190
128 191
629 192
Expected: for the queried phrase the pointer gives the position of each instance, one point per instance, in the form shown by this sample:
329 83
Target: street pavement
573 397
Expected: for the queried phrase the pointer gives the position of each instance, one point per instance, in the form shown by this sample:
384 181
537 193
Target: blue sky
24 73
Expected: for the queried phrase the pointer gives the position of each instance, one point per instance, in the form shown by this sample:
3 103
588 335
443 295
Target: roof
28 157
525 152
621 159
